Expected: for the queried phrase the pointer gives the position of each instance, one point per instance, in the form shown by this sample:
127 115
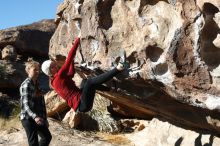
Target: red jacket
62 81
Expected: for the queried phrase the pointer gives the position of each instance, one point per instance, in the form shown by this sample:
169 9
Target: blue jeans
32 130
90 86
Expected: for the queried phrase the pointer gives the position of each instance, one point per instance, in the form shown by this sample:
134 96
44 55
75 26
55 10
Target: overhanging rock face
172 47
31 39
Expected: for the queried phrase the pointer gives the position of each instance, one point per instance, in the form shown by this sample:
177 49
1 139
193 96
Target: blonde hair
30 63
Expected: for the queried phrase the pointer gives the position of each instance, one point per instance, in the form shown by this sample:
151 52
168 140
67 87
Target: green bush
2 71
8 108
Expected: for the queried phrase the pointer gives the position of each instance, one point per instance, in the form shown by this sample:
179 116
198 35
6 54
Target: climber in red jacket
80 99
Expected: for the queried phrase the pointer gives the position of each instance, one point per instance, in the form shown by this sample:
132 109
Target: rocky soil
143 133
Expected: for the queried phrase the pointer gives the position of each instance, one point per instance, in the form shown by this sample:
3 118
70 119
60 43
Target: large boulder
169 46
32 40
55 104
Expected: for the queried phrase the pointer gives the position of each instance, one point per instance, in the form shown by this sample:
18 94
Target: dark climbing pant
32 130
90 86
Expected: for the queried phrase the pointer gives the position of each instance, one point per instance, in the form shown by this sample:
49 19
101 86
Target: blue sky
21 12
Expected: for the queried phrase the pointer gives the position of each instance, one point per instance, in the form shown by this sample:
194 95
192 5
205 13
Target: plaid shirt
31 105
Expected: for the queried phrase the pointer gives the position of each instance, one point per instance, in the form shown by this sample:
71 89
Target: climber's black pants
32 130
90 86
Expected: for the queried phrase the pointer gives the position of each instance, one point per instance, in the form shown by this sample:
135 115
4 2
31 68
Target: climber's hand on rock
79 35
